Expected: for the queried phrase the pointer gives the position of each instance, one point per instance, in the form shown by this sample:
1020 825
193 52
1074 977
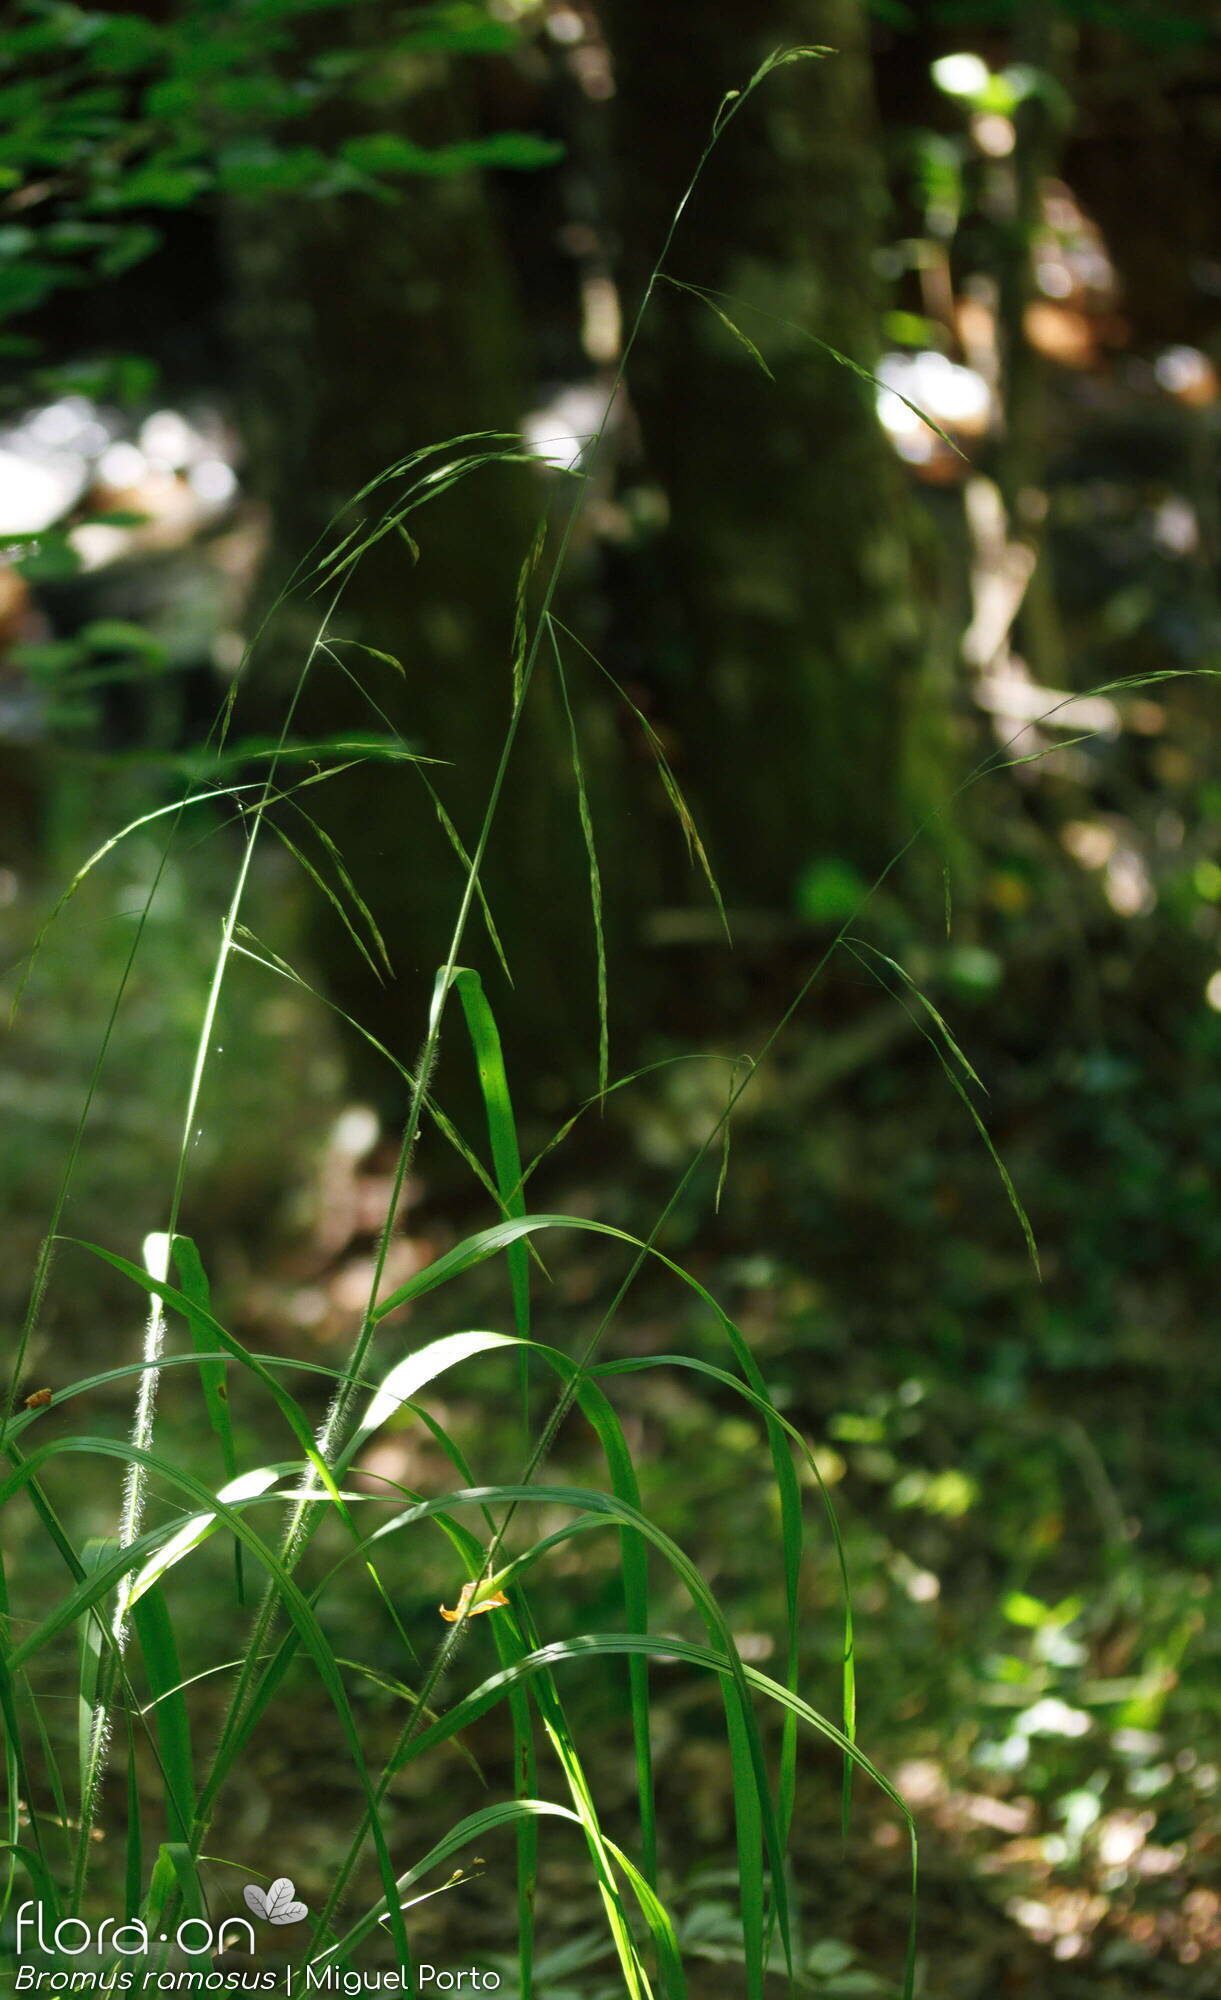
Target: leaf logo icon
277 1905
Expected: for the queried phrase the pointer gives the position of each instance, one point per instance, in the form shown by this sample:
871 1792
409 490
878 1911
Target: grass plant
122 1599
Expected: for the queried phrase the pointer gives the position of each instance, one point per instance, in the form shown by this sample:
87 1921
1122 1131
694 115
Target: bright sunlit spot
561 431
955 397
961 75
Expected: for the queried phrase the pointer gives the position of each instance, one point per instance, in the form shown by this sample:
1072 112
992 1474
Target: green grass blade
177 807
94 1685
476 1827
133 1841
14 1789
405 1380
610 1506
271 961
710 296
634 1566
708 299
412 1374
521 621
174 1883
525 1784
58 1539
956 1084
338 1416
18 1789
595 873
502 1129
201 1320
664 1645
749 1832
858 945
506 1158
670 784
212 1372
597 1101
155 1632
332 896
345 877
779 1426
107 1573
41 1880
487 1242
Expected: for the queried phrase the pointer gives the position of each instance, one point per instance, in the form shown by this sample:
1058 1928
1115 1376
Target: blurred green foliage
112 118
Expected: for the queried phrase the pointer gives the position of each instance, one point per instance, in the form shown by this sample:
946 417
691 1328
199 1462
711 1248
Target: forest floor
1022 1484
1023 1471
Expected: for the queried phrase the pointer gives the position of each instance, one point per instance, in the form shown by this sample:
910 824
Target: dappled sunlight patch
1063 1918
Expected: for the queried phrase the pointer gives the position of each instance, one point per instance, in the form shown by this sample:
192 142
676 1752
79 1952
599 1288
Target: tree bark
367 331
796 667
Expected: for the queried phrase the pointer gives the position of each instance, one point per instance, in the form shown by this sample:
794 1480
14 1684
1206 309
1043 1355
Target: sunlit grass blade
666 1646
634 1566
332 895
407 1378
635 1977
486 1243
109 1572
201 1320
344 875
177 807
478 1825
464 1255
588 1502
519 1634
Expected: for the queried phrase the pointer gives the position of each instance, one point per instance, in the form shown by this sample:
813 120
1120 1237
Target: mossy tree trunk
799 677
367 331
